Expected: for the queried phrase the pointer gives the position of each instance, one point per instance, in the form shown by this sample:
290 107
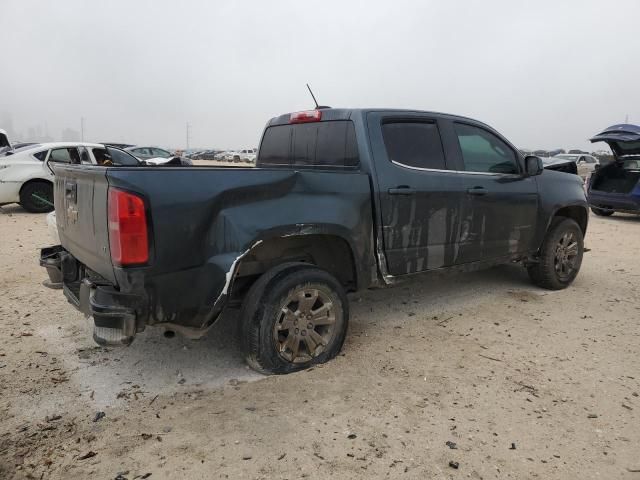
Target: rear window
331 144
414 144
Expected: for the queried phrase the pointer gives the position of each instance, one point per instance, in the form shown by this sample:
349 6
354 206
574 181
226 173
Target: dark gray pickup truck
341 200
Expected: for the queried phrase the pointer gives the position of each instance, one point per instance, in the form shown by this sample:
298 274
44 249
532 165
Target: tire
601 212
557 267
275 342
32 192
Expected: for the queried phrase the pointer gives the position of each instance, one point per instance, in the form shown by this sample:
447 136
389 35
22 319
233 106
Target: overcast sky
545 73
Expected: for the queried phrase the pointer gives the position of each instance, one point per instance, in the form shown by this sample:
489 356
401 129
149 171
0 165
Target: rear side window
275 146
414 144
483 152
331 144
41 155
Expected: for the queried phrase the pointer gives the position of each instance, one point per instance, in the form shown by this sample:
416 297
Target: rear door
420 196
501 204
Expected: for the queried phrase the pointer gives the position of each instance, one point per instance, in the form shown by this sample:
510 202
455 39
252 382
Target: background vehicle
26 176
615 187
144 153
585 163
560 165
342 200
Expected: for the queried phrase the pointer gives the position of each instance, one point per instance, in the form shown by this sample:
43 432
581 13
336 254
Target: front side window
64 155
483 152
120 157
414 144
158 152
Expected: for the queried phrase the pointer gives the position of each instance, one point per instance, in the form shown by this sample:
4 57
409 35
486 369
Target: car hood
624 139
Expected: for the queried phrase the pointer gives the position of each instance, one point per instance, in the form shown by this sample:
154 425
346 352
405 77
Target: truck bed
200 221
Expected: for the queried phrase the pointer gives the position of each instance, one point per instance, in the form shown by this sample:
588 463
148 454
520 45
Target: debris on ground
99 416
89 454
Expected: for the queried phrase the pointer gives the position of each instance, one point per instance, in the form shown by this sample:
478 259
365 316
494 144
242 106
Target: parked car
144 153
26 176
341 200
560 165
615 187
585 163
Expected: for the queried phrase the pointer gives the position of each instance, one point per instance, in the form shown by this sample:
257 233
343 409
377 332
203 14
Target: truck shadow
157 365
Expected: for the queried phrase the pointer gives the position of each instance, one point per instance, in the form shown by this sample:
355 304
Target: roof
347 113
64 144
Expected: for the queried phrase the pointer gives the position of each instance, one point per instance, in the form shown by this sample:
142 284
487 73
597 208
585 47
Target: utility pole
626 118
82 128
188 134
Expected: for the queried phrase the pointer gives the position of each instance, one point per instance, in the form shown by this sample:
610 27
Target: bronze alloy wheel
566 255
305 324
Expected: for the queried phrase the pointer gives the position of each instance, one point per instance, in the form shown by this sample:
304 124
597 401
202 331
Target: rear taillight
128 236
306 117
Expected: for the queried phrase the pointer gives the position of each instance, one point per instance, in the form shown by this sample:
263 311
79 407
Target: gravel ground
524 383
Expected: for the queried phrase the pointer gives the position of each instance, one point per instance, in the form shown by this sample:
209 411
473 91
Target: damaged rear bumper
115 315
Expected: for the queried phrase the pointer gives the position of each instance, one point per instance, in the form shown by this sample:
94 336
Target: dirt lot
527 383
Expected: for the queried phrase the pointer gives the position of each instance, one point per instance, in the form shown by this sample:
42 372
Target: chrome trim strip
454 171
422 169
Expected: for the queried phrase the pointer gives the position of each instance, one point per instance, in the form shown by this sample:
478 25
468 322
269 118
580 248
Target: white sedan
26 177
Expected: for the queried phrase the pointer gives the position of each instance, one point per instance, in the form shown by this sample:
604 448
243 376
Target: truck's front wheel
560 255
293 317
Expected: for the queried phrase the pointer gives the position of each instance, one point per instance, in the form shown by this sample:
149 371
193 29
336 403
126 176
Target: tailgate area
80 195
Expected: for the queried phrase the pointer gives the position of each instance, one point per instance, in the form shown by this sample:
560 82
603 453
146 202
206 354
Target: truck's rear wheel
601 212
560 256
293 317
37 197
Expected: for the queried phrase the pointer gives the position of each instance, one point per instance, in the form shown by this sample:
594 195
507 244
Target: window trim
403 119
499 137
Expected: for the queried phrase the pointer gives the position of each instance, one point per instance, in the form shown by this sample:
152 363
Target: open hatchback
615 187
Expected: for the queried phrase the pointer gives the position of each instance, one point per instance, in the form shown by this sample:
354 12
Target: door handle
402 191
477 191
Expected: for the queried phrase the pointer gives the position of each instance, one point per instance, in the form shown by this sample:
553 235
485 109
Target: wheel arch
578 213
328 251
35 180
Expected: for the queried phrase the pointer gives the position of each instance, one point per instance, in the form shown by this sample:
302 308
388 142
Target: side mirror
533 165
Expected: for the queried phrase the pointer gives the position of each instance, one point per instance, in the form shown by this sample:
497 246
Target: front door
501 204
420 198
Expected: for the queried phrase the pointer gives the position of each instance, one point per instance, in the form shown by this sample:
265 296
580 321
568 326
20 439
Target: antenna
313 96
318 107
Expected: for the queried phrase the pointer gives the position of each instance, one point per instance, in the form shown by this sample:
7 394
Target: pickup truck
340 200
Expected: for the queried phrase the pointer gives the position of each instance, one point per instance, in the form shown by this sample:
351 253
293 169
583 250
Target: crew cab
340 200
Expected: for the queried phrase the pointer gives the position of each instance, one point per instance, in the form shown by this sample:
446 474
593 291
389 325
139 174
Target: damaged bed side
212 232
